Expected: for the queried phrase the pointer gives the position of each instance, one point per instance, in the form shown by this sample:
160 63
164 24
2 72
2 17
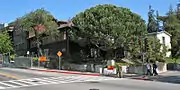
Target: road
124 84
35 80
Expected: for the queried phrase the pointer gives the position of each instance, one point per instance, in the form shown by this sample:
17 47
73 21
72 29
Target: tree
152 23
172 26
5 44
109 27
156 51
39 21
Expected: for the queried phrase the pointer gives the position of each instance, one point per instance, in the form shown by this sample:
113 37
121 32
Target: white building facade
165 38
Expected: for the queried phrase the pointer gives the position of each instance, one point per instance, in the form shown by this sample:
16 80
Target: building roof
155 33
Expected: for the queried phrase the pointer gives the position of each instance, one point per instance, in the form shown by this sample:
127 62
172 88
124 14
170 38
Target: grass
169 60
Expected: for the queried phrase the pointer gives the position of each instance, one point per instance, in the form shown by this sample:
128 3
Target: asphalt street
124 84
13 73
36 80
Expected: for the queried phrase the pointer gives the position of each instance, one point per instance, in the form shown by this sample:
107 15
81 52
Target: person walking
155 69
148 66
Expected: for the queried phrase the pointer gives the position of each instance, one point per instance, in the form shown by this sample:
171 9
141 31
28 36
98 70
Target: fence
173 66
22 62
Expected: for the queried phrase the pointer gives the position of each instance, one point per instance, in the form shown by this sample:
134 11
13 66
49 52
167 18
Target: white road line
45 80
7 84
31 81
18 83
51 80
60 80
28 82
37 79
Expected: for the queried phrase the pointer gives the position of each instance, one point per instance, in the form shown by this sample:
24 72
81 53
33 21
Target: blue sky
65 9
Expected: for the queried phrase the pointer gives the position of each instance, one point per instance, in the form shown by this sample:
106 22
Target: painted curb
67 72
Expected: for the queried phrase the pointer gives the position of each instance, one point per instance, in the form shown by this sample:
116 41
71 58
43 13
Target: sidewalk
169 76
81 73
64 71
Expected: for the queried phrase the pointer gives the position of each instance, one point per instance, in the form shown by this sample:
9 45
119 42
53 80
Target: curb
67 72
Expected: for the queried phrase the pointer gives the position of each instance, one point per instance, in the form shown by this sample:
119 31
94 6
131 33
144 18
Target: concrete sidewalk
64 71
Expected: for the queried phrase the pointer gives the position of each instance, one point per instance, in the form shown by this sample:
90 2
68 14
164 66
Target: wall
83 67
162 67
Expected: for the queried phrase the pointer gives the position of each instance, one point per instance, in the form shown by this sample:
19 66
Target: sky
65 9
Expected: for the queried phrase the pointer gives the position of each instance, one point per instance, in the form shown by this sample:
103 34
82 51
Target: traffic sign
59 53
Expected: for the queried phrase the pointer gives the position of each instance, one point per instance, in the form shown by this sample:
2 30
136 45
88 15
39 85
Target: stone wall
162 67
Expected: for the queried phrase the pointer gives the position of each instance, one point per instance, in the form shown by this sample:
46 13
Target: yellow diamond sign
59 53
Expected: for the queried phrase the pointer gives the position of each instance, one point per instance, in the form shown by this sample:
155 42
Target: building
3 25
165 39
24 41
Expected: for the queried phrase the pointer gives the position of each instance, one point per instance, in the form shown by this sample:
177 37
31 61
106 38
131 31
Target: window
163 39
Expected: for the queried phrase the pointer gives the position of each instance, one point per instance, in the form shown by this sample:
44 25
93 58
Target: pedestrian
148 66
155 69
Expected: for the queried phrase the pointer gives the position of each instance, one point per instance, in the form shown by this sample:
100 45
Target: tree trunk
38 44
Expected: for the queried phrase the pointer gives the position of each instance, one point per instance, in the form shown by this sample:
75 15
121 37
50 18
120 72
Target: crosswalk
51 80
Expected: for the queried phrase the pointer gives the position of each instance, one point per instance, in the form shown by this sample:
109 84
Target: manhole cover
35 81
93 89
94 82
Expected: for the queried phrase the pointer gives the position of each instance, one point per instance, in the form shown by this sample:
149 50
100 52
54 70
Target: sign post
59 55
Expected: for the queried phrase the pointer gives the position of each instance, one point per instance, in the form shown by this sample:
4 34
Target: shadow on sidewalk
169 79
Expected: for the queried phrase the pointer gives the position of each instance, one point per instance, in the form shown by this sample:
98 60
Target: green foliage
170 60
35 58
109 27
12 56
152 23
5 43
38 17
172 26
156 51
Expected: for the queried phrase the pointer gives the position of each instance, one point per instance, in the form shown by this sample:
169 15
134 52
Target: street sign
59 53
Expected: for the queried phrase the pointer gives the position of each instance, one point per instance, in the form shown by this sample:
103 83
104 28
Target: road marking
11 76
49 80
3 83
23 81
17 83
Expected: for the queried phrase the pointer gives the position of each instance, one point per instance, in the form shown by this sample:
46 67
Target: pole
59 63
38 63
31 62
143 63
